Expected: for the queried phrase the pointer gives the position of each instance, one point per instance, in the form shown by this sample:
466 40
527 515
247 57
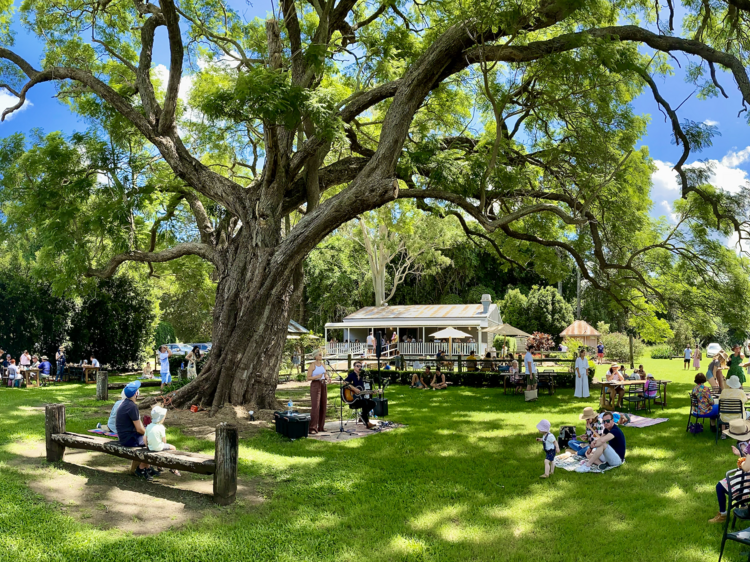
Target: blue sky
730 153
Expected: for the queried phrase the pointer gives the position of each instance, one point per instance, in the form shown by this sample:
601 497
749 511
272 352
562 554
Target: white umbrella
450 333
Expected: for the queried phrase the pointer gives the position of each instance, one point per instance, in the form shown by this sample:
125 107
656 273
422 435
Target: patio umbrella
450 333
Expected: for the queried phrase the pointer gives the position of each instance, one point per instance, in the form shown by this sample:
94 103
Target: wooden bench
223 465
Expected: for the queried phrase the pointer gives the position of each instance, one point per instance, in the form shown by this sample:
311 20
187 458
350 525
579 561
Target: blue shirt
45 367
164 358
112 422
600 348
618 442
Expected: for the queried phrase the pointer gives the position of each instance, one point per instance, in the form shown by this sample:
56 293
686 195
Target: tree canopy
513 119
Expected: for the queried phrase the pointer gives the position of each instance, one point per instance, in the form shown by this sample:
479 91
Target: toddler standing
550 447
156 434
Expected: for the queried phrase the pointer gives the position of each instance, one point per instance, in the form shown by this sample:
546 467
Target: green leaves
270 96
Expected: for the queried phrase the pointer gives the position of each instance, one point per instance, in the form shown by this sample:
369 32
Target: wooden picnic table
27 375
605 384
546 374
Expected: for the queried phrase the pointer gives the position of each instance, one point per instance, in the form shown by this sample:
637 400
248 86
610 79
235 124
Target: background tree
32 317
328 110
400 240
113 322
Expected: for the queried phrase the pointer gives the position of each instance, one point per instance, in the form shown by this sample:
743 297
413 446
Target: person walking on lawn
688 355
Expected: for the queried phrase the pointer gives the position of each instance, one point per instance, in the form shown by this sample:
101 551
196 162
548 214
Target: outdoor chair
636 395
546 379
738 492
652 393
728 406
694 408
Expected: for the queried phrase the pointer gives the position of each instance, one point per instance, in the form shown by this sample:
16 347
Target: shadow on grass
459 483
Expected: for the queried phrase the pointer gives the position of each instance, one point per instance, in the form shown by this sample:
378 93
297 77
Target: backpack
695 428
567 432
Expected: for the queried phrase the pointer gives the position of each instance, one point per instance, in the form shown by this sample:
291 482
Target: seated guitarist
355 383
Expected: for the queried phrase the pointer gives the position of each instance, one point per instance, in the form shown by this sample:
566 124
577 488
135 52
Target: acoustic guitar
349 396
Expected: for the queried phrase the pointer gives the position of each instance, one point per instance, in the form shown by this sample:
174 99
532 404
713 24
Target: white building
416 322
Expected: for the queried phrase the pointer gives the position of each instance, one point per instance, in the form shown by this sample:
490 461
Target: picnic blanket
570 461
631 420
102 432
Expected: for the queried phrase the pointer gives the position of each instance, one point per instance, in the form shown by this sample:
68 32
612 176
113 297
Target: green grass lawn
461 482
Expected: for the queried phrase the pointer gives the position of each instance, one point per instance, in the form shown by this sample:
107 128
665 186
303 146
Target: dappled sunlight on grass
460 482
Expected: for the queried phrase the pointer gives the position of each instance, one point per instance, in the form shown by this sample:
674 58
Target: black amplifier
292 424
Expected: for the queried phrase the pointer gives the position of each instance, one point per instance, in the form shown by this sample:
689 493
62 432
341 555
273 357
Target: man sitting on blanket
607 450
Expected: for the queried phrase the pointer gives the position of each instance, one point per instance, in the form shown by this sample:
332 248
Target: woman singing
318 393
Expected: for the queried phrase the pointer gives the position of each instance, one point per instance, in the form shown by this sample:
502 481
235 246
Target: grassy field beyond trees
461 482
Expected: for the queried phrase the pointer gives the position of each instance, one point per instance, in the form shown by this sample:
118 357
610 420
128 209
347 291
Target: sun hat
44 357
544 425
158 414
614 366
739 429
649 376
734 382
588 414
132 388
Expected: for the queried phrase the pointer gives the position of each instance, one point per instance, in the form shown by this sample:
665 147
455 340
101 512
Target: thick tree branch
178 251
176 54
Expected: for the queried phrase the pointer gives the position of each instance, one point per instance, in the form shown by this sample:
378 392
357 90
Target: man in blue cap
129 426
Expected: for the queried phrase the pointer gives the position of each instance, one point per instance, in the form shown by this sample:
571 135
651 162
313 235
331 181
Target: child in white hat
550 447
156 433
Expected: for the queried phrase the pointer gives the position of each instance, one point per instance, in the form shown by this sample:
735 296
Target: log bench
223 465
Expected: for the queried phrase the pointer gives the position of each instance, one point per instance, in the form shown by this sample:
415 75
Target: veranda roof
437 315
579 328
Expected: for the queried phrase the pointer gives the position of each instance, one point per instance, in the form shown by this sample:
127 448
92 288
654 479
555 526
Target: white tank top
319 370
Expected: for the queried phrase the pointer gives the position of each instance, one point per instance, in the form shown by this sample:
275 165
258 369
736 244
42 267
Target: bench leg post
102 385
54 422
225 477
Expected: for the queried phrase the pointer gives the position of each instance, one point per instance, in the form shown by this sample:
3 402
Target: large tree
331 109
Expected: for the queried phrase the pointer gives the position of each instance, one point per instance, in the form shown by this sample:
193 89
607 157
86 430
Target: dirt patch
198 424
95 488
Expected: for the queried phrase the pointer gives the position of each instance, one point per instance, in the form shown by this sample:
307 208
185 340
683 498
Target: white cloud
711 123
734 159
9 100
186 83
665 178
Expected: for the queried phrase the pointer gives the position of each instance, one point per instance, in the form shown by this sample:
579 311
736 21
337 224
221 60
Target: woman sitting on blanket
740 430
580 446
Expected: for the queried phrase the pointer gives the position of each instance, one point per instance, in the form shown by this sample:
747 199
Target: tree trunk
254 302
578 293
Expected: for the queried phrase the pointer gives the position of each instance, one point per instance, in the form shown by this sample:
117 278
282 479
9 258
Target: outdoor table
89 372
27 376
75 371
606 384
664 399
548 374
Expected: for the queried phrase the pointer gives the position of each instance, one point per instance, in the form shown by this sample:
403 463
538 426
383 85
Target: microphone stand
341 409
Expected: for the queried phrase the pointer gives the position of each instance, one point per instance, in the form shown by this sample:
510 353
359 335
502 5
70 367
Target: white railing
431 348
344 349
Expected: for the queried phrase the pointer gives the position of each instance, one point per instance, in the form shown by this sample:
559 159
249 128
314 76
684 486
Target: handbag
530 395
